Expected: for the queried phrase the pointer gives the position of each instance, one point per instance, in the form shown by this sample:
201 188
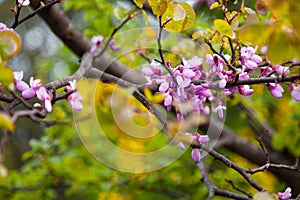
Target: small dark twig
213 190
24 102
221 55
238 189
128 18
263 148
161 26
18 22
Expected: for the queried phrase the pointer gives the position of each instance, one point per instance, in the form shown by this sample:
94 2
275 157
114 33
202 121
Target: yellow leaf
139 3
156 98
214 5
10 45
158 6
223 27
6 76
179 16
6 122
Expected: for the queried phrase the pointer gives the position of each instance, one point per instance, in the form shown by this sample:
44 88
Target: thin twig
238 189
128 18
168 68
264 149
213 190
229 163
221 55
18 22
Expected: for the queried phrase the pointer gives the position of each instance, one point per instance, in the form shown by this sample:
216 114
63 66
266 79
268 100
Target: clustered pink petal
249 59
178 88
286 195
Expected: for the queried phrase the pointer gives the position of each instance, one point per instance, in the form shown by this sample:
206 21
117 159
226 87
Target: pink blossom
276 90
71 87
75 101
248 57
20 85
196 155
4 27
296 93
286 195
30 92
23 3
245 90
199 138
219 109
113 46
96 41
45 96
282 70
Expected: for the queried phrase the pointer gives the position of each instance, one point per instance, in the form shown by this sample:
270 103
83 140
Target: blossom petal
28 93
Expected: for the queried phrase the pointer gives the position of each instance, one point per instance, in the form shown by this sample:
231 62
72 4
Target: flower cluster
191 87
248 62
36 89
179 88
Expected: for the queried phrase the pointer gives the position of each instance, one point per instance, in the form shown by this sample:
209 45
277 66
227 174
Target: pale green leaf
223 27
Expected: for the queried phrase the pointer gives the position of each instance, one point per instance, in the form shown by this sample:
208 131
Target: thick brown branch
253 81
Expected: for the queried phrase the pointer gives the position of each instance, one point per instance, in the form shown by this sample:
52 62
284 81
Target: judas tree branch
61 25
253 81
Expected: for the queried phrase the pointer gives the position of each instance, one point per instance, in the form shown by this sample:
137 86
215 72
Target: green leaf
159 6
178 17
139 3
6 76
6 122
120 12
223 27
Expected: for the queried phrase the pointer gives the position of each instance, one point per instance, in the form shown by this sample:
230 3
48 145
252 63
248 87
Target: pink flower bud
196 155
